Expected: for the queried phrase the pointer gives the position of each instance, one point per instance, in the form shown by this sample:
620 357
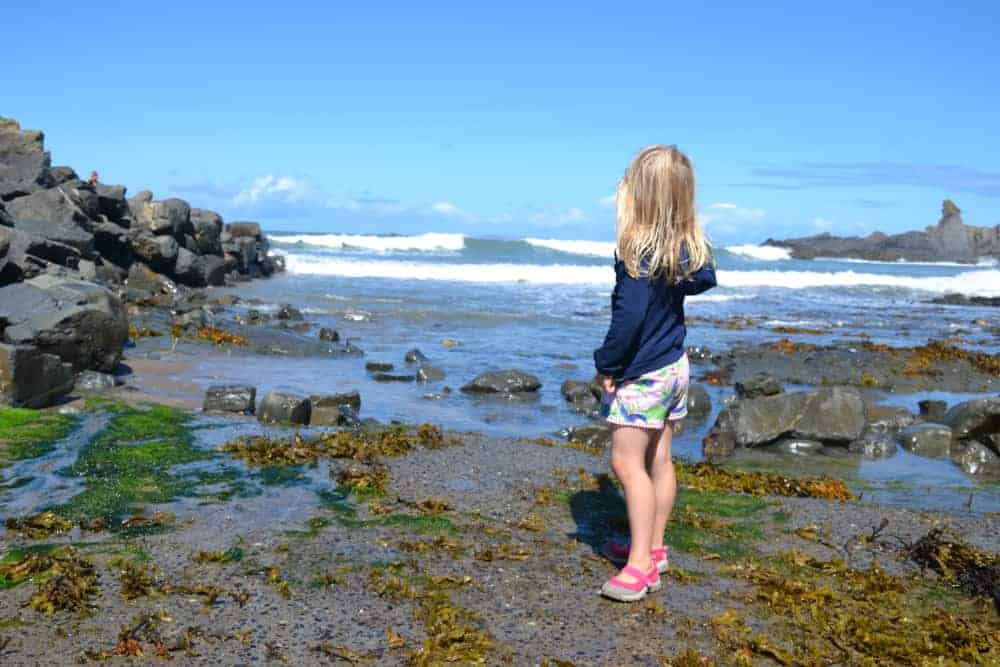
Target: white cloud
449 210
272 188
558 217
728 210
822 224
607 202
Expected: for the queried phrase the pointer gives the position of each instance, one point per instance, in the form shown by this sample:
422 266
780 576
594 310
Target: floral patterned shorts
650 400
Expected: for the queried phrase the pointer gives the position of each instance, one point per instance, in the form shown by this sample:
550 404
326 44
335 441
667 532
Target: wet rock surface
239 399
283 408
927 439
32 378
503 382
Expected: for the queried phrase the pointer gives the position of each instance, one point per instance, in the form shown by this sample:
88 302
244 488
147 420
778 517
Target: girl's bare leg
661 470
628 460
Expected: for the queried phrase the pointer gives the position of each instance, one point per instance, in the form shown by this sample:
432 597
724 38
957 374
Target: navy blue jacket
647 322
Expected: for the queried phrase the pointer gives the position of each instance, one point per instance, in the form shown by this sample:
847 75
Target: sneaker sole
623 595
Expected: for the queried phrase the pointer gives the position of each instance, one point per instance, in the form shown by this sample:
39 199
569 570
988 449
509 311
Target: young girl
662 256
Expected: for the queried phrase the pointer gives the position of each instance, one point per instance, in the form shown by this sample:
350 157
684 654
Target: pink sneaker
623 591
661 559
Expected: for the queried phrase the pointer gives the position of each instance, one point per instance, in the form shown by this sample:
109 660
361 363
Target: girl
662 256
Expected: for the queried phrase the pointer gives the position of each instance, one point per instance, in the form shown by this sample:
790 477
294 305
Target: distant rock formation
949 241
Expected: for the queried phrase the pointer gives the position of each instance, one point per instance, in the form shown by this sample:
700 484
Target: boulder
335 409
113 244
282 408
244 253
55 206
29 255
596 435
169 216
111 202
239 399
31 378
927 439
24 162
428 373
975 458
888 417
503 382
243 230
378 366
578 393
207 231
329 335
82 323
136 203
833 416
797 446
932 410
159 252
975 419
699 403
145 286
875 443
63 233
62 174
758 384
197 318
415 356
5 218
95 381
199 270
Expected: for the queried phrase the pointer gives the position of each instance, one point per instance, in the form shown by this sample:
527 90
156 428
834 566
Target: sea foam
430 242
595 248
766 253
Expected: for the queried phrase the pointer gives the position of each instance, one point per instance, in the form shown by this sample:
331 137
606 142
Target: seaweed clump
38 526
64 580
710 477
25 433
824 612
212 335
975 572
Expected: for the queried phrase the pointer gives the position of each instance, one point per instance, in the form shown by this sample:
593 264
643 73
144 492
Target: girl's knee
624 465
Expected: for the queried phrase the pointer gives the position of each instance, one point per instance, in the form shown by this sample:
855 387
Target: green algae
129 465
26 434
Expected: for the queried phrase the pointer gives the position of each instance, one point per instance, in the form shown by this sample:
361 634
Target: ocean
542 306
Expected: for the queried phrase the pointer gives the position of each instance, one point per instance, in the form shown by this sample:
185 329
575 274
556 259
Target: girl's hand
608 383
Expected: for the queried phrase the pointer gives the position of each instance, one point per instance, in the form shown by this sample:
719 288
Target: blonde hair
656 216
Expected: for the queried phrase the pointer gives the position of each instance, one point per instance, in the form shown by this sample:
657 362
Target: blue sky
517 118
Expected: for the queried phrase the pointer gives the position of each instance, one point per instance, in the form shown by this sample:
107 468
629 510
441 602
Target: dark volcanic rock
888 417
64 233
378 366
199 270
415 356
288 312
24 162
31 378
926 439
963 300
26 255
111 202
335 409
832 416
62 174
578 392
5 218
159 252
503 382
393 377
207 231
170 216
82 323
244 230
758 384
975 419
113 243
975 458
875 443
145 286
329 335
240 399
281 408
596 434
949 241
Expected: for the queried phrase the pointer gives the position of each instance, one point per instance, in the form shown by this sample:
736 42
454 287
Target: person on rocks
93 178
662 255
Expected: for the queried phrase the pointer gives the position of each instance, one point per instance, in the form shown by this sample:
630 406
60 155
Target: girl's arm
628 308
701 280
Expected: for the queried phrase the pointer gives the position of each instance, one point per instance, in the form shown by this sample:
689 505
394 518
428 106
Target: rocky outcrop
949 241
281 408
82 323
834 416
239 399
24 162
31 378
503 382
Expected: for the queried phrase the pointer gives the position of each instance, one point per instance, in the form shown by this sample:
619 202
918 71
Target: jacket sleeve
701 280
628 309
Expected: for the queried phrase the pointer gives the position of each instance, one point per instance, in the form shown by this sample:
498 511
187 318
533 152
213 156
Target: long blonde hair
656 216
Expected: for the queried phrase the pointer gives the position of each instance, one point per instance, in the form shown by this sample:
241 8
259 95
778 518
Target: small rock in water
288 312
282 408
932 410
94 381
393 377
591 435
329 335
699 403
450 342
888 417
240 399
503 382
577 392
335 410
413 356
428 373
698 353
975 418
874 443
758 384
348 398
975 458
378 366
927 439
